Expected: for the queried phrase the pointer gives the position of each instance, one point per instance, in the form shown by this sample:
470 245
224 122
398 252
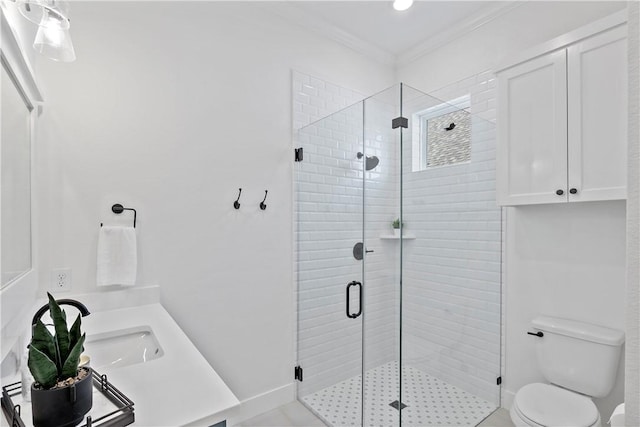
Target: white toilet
580 361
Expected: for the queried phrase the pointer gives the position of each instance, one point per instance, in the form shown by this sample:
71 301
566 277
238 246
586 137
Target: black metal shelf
122 416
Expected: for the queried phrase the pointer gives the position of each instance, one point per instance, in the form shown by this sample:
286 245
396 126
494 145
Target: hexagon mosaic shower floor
430 401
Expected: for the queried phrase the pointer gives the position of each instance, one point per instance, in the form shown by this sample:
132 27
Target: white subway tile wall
451 277
452 270
314 99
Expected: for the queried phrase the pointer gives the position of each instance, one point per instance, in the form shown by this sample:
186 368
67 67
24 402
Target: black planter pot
63 407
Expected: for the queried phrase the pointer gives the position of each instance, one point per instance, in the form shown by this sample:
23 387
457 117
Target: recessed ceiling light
402 4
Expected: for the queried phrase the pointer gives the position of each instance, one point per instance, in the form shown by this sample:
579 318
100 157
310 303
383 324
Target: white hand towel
117 256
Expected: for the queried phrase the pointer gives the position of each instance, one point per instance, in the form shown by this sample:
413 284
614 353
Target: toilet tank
578 356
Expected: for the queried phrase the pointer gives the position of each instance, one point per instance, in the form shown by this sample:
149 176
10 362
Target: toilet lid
549 405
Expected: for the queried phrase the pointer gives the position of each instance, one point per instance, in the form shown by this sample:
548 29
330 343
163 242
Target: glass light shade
402 4
54 41
43 12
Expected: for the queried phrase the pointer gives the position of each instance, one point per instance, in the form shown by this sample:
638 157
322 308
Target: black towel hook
236 204
263 206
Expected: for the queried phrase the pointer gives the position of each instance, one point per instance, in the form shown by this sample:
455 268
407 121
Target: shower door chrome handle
359 285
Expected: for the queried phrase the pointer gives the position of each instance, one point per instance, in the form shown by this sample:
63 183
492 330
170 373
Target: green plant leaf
74 332
70 367
42 368
60 323
43 340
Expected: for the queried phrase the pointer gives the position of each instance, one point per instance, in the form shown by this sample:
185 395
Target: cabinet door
597 73
532 132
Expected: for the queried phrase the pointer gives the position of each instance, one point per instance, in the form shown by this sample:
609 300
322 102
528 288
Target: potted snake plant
62 392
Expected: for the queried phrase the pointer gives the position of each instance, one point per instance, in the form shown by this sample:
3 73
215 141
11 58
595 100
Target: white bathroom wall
170 109
561 285
632 365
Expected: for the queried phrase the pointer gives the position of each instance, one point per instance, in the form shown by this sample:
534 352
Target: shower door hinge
297 373
399 122
298 154
499 380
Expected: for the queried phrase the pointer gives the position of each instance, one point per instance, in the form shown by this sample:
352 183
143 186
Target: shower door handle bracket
359 285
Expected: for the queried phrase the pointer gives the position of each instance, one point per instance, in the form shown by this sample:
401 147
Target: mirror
15 178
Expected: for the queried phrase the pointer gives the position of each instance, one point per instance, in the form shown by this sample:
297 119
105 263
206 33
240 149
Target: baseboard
507 399
252 407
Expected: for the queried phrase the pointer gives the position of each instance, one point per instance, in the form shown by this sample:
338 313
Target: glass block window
441 135
447 139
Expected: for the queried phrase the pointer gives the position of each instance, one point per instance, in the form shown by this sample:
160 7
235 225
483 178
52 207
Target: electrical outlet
61 279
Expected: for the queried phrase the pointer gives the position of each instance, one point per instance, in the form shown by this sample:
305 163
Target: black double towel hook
263 205
236 204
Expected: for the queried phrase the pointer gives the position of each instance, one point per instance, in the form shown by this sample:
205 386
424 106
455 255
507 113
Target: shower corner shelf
394 237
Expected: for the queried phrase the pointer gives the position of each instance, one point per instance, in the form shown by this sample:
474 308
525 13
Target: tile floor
500 418
295 414
430 401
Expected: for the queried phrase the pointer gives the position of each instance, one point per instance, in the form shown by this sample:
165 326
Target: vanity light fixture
402 4
53 40
45 12
52 17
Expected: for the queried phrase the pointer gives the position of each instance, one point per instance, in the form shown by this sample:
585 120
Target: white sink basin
206 401
123 347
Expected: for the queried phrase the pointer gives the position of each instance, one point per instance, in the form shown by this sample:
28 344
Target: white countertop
176 389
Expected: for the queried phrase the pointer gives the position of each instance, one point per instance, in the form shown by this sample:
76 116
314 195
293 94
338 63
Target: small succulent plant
55 358
396 223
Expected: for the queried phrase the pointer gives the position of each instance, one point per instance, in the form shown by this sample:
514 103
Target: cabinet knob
573 191
559 192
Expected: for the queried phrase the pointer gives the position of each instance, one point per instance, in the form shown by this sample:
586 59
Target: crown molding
609 22
291 12
465 26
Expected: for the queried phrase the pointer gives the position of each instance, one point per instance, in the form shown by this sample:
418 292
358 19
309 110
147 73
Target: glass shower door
382 272
450 316
329 252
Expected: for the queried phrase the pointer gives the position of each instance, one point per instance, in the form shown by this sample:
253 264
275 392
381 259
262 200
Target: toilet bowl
546 405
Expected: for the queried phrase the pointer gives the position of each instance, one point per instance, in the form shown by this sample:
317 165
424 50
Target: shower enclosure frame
398 124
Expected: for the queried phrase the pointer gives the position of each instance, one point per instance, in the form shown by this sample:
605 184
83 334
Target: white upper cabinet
597 133
532 120
562 123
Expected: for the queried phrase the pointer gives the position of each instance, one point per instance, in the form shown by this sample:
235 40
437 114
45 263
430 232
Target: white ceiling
376 29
